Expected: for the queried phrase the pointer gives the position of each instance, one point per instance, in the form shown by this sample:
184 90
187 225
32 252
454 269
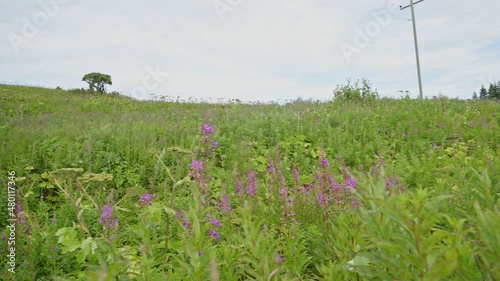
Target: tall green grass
424 205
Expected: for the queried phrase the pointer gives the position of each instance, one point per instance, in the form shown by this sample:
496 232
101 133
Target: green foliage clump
355 92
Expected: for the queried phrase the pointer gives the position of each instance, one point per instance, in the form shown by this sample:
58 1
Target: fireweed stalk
285 202
323 178
271 170
205 152
251 189
348 189
145 201
215 223
110 224
198 166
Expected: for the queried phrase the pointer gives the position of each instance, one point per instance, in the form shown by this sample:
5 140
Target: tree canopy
97 81
493 92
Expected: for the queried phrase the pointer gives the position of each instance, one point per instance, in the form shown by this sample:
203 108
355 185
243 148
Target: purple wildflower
392 183
215 144
322 199
180 216
146 199
324 163
196 165
283 191
239 188
200 253
296 176
389 183
279 259
306 188
20 214
252 184
106 217
224 204
207 129
350 182
22 218
271 168
214 234
215 222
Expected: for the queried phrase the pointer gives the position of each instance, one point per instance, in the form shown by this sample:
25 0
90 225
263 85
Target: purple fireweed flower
324 163
180 216
283 191
214 234
279 259
350 182
389 183
239 188
252 184
200 253
207 129
20 214
22 218
322 199
215 222
196 165
305 191
146 199
215 144
271 168
106 217
296 176
335 186
355 203
224 204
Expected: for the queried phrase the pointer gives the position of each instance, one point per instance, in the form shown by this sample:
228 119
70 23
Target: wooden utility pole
416 43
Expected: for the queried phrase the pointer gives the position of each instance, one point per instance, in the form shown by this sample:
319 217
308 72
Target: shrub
357 91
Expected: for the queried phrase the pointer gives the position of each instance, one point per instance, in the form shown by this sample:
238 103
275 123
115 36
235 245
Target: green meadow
111 188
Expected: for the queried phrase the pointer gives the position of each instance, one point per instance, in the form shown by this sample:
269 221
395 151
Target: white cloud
261 50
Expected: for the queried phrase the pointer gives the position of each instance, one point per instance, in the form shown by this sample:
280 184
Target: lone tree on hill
97 81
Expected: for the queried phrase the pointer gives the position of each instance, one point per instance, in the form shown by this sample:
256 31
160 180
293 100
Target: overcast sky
253 50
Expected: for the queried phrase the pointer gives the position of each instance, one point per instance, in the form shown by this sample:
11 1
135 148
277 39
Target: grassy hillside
410 190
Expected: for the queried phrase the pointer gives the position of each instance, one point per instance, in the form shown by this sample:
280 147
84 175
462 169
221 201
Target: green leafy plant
355 91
